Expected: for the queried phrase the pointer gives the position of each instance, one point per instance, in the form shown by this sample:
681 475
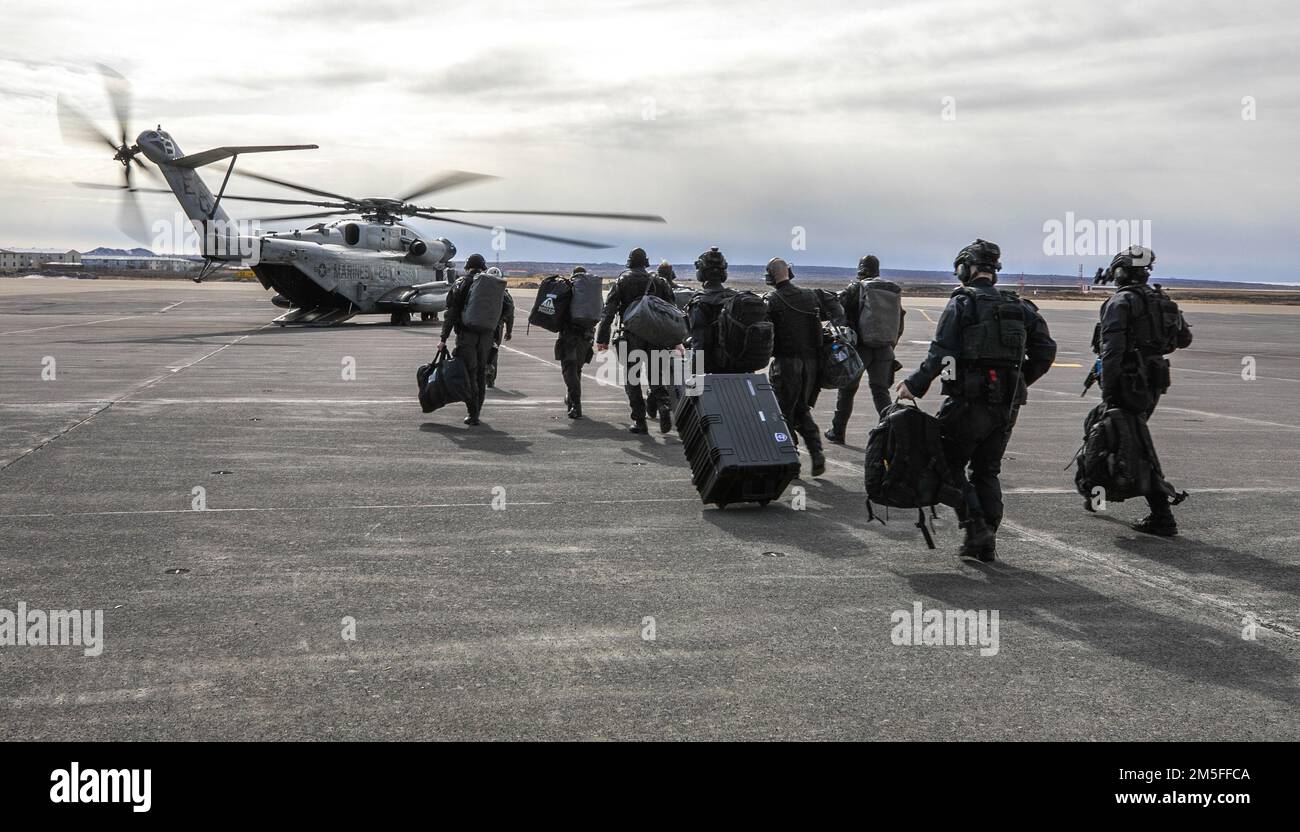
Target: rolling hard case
736 441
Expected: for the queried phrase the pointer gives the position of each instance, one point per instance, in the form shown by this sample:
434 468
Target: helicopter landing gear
428 316
400 318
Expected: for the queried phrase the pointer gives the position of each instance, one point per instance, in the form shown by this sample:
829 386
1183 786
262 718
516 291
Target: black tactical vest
994 332
993 339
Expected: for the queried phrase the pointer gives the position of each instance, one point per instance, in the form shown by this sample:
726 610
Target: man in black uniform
705 307
667 272
988 347
630 286
797 316
878 361
1139 326
473 348
504 330
573 350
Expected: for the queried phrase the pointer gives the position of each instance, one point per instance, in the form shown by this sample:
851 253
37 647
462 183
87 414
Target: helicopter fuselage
355 267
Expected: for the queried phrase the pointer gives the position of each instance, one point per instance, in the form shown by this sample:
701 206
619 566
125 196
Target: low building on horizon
35 258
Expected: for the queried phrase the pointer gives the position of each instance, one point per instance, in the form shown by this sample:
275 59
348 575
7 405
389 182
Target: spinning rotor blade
131 220
102 187
119 94
443 181
284 183
586 214
300 216
533 235
74 126
148 171
99 186
275 201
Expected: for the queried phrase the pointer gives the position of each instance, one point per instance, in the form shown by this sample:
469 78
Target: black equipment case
736 440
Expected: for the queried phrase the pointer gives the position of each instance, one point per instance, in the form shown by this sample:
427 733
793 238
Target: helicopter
370 261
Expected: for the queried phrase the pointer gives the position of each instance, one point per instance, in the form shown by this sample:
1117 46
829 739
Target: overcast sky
901 128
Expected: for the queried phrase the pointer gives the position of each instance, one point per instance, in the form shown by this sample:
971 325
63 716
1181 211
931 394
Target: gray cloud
825 115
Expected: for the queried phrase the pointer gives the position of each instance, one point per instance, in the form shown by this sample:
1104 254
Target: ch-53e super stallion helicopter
324 274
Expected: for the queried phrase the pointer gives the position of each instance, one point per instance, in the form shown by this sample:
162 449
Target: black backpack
1117 456
441 382
745 333
551 306
905 465
1160 328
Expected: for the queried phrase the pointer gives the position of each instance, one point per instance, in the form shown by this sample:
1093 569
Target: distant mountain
103 251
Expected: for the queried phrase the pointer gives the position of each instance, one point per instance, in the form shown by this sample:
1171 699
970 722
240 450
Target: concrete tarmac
537 578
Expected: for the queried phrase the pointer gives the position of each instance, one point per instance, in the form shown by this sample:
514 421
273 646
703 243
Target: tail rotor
76 126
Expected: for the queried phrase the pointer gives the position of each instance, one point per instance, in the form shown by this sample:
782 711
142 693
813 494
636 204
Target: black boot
665 419
1156 524
471 420
575 409
980 543
835 436
818 463
638 426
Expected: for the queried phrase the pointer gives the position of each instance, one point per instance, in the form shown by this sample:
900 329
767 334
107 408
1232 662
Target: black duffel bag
442 382
841 365
654 320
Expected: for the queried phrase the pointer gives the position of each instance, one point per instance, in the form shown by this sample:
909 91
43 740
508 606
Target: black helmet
665 270
1132 265
475 263
637 259
711 267
869 266
979 256
578 270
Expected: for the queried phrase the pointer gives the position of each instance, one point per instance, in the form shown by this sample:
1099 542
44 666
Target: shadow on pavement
480 438
1109 625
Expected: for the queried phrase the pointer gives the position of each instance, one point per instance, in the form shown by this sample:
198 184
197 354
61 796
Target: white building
34 258
137 262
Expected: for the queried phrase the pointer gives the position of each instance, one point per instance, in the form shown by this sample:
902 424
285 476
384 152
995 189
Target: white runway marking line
270 400
62 326
1114 563
1234 375
144 385
1171 409
88 323
1248 421
360 507
214 352
550 363
1191 490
